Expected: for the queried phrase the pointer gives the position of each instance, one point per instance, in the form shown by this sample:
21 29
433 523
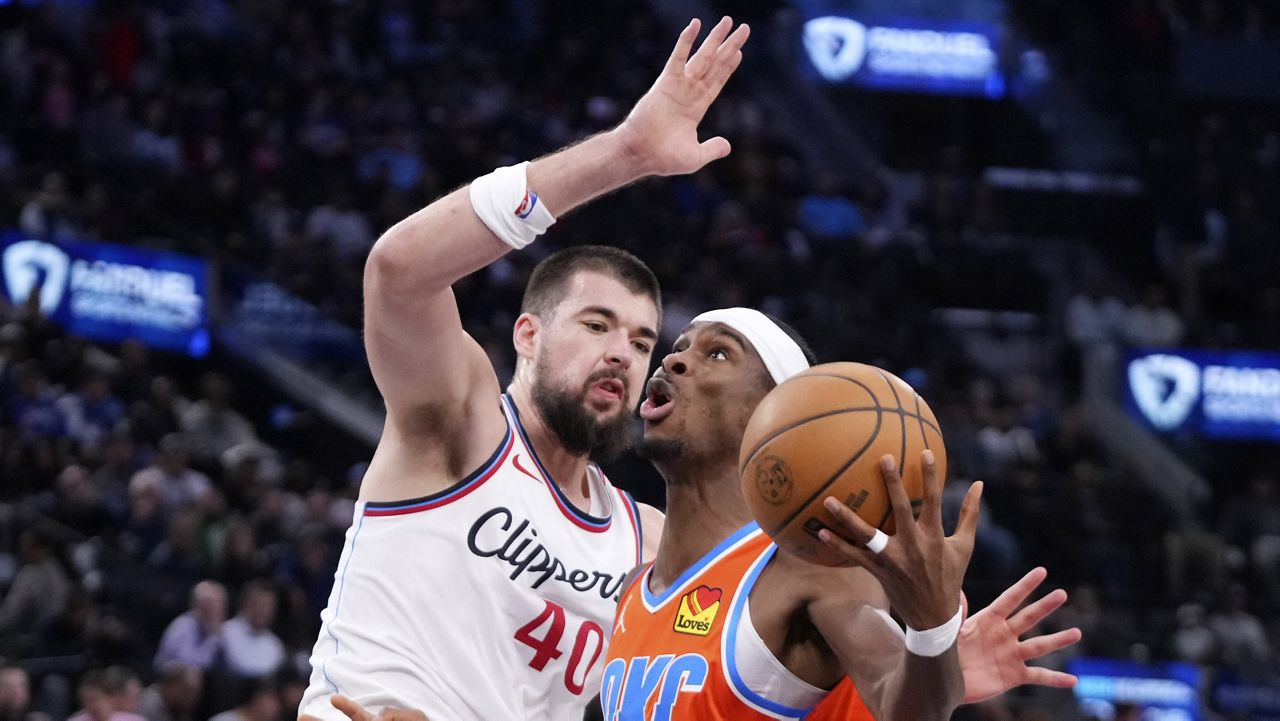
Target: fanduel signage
1168 692
1220 394
937 56
111 292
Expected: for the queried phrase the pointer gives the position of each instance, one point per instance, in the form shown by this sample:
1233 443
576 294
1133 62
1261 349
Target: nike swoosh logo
516 462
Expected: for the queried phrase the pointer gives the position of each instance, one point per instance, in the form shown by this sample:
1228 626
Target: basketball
822 433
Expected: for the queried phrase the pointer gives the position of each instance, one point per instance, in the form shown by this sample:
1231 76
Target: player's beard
580 431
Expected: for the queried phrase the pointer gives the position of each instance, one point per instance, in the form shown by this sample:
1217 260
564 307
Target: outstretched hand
921 568
661 132
356 712
992 658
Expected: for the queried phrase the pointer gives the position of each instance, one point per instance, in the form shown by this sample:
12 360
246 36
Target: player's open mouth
609 388
657 403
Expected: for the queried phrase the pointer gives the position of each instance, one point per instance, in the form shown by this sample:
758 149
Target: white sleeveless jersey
490 600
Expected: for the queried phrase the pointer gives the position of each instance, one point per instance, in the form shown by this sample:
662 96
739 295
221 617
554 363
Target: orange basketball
822 433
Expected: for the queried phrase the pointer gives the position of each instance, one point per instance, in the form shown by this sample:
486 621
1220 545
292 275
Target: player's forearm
580 173
923 688
446 241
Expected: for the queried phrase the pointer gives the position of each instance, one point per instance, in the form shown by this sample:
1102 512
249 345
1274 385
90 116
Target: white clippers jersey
490 600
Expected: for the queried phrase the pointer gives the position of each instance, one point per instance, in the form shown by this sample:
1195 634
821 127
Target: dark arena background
1059 220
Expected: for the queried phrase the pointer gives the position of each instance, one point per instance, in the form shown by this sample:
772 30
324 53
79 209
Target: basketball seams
902 452
802 507
796 424
880 409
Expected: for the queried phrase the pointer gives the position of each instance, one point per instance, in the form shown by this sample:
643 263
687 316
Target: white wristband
934 641
505 204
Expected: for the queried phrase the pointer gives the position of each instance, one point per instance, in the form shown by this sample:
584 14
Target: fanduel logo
1165 387
24 264
836 45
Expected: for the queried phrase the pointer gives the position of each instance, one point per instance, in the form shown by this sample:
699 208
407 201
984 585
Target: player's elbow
392 269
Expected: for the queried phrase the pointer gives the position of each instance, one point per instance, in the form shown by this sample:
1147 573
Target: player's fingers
931 513
700 63
1037 676
729 55
860 556
720 73
902 515
714 149
1041 645
680 53
352 709
1014 595
967 526
1027 618
854 527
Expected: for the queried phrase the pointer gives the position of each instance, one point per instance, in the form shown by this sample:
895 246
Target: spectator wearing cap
194 639
252 649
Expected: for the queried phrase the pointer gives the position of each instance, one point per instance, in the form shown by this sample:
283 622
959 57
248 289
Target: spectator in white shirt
195 638
252 650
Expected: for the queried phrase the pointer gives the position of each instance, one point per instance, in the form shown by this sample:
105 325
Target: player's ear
526 335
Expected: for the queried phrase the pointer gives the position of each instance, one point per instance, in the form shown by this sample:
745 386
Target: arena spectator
195 638
174 696
39 591
15 696
211 422
260 701
252 649
171 473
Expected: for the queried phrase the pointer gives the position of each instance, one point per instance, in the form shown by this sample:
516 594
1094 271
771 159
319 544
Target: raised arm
424 363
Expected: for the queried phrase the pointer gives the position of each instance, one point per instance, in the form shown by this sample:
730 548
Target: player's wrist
629 150
934 641
511 209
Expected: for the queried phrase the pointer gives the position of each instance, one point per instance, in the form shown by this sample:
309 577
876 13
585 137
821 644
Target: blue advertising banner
1217 394
933 55
111 292
1164 692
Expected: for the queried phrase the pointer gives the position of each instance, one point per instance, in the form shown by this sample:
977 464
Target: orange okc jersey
692 653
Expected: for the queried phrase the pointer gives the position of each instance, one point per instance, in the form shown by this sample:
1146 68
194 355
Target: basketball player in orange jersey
721 626
480 574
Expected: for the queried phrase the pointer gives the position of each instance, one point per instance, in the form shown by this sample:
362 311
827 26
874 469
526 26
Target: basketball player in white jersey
479 577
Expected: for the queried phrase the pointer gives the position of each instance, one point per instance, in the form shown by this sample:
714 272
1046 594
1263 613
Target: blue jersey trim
337 606
578 515
653 600
731 638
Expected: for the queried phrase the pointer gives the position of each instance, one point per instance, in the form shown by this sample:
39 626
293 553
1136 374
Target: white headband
781 355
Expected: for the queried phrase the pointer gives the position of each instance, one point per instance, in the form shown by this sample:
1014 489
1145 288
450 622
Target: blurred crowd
159 559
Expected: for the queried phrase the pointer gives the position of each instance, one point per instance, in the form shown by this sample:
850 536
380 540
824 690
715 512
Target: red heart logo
703 597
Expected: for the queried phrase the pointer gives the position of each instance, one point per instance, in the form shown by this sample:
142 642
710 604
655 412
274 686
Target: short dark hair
546 283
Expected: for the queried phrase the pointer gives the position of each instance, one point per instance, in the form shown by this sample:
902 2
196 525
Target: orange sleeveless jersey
672 654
